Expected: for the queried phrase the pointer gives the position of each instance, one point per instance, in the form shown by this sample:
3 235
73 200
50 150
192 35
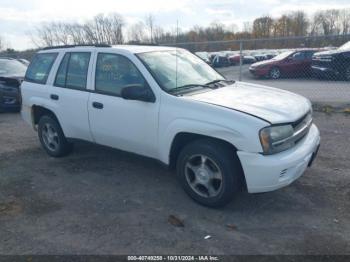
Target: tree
262 27
299 23
137 32
344 17
1 43
149 21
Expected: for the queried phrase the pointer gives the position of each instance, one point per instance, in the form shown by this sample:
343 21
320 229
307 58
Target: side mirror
138 92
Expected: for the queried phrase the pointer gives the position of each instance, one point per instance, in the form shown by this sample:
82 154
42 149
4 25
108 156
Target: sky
19 18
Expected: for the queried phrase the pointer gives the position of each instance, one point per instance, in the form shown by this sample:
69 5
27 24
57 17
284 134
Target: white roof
127 48
142 48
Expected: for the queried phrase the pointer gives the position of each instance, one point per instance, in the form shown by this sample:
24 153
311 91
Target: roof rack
69 46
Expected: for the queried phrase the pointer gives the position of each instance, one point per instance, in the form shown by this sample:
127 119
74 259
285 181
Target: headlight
275 139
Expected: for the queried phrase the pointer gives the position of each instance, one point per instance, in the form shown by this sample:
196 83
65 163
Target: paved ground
331 92
102 201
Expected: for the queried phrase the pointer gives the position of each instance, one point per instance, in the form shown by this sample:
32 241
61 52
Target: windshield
11 68
179 68
345 46
283 55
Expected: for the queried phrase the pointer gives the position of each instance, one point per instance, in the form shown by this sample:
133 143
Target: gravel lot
321 91
103 201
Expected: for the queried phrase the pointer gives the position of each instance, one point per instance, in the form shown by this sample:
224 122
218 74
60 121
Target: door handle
97 105
54 97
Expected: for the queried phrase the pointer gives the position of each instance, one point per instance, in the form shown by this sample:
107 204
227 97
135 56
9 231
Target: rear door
69 95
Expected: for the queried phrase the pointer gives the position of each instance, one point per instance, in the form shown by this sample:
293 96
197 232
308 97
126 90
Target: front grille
301 129
321 63
300 120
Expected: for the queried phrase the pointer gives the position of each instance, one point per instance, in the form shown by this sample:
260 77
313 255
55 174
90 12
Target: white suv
168 104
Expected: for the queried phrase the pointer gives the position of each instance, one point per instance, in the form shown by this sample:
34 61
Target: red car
290 63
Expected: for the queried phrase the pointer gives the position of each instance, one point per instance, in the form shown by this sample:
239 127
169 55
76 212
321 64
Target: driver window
298 56
114 72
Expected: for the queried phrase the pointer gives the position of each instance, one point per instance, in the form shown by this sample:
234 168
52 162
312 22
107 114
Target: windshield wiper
219 80
189 86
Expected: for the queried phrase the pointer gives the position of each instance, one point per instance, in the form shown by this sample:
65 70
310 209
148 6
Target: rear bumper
10 102
267 173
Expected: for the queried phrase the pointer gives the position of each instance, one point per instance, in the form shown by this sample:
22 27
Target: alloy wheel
203 176
275 73
50 137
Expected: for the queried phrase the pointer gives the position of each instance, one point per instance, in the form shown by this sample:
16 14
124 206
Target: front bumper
265 173
258 71
323 71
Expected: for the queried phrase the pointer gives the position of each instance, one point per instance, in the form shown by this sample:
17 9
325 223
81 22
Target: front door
129 125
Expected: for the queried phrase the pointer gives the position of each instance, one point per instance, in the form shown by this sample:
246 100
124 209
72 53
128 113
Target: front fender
185 125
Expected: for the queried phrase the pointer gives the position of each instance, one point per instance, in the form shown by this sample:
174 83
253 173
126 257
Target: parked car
220 61
334 63
235 59
24 61
270 55
11 75
260 57
204 56
290 63
221 136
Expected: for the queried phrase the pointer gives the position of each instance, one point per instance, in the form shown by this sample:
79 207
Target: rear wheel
52 138
209 172
275 73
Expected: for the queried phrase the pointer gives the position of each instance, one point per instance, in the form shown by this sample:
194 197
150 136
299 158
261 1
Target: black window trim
44 81
113 94
65 80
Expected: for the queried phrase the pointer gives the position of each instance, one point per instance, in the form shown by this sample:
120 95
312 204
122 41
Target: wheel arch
38 111
182 139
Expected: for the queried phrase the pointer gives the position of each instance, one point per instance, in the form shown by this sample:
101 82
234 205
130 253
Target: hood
270 104
328 52
266 62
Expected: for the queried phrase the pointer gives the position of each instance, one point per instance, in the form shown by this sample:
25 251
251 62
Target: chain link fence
317 67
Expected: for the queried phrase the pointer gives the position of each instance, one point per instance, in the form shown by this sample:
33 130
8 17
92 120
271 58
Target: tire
209 158
347 74
275 73
52 138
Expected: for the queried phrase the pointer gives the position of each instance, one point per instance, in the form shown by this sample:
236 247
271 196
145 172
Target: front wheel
275 73
209 172
52 138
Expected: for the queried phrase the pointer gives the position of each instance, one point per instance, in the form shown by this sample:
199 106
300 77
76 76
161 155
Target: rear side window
73 70
40 67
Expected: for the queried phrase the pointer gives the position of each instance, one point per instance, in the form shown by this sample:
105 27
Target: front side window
178 68
39 69
298 56
73 70
114 72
